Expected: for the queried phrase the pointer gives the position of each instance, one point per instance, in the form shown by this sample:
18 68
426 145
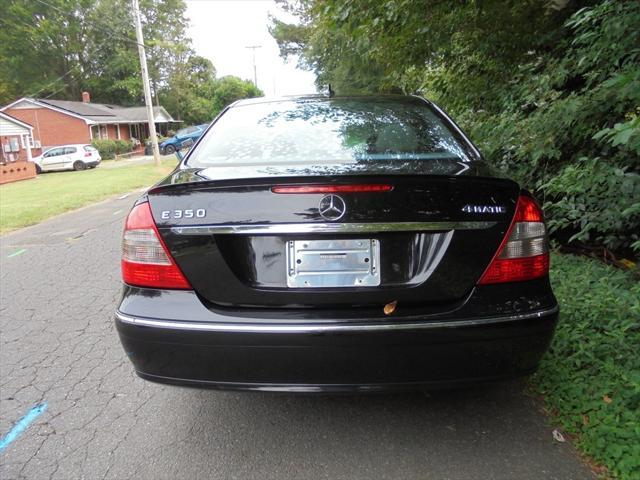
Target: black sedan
335 244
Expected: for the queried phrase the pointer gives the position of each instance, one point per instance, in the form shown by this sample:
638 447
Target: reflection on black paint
445 167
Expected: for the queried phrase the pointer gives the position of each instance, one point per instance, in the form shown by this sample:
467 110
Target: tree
188 90
549 89
60 48
229 89
40 49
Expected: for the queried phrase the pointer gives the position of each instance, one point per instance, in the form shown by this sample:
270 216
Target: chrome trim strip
293 228
323 328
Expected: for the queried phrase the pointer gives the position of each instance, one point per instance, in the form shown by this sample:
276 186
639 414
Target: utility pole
255 71
145 82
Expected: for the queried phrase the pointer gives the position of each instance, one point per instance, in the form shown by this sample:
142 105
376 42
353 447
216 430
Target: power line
33 95
54 92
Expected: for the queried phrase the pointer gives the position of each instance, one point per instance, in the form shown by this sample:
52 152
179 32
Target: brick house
16 140
61 122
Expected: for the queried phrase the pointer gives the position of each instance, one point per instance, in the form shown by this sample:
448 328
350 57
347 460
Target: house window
14 144
26 141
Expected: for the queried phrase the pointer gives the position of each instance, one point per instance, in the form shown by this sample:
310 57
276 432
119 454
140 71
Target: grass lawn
31 201
590 378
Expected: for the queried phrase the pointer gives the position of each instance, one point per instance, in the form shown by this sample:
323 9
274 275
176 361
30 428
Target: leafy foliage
197 96
549 90
591 375
599 197
108 149
229 89
60 48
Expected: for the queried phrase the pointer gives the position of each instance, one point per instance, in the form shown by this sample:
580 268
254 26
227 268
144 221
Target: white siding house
16 139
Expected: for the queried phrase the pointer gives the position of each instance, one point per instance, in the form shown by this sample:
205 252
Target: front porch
128 131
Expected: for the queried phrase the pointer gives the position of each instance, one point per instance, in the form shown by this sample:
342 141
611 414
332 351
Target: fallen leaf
389 308
627 263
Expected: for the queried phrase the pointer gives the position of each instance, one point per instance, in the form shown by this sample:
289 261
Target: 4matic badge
484 209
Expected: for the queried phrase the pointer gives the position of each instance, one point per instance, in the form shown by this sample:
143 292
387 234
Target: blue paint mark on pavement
22 425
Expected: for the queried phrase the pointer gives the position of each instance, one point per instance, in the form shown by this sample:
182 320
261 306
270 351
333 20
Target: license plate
333 263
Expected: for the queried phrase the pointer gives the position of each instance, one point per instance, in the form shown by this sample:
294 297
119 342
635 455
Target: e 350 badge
177 214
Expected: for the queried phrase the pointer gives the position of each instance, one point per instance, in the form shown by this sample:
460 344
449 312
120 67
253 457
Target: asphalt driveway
93 418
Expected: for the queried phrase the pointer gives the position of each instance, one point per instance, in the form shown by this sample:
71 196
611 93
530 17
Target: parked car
67 157
174 143
335 244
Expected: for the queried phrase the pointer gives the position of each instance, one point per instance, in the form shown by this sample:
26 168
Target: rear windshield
336 131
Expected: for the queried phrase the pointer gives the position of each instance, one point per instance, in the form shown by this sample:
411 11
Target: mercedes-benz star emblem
332 207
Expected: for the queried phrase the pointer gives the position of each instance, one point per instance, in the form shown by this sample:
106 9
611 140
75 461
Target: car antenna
331 92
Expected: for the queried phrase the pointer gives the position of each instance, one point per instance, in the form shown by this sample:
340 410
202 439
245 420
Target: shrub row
110 148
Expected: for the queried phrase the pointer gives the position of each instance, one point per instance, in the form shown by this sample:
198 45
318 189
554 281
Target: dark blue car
174 143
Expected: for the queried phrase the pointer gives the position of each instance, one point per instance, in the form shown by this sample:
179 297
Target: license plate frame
333 263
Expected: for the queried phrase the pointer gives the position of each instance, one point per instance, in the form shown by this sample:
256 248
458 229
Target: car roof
320 98
71 145
47 149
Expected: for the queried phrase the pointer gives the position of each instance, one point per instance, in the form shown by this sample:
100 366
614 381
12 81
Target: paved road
59 286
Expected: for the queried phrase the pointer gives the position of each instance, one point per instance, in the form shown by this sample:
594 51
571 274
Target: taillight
146 262
524 252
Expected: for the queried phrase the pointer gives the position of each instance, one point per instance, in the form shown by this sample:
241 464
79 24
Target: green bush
110 148
123 146
591 375
548 89
569 128
598 200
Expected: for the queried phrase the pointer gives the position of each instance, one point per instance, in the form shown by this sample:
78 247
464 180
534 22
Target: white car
67 157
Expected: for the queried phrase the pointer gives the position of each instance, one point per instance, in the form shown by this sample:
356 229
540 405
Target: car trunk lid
429 237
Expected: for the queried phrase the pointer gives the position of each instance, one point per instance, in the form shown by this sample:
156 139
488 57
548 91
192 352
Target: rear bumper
360 356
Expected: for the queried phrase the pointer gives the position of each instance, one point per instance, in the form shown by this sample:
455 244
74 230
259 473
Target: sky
222 29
